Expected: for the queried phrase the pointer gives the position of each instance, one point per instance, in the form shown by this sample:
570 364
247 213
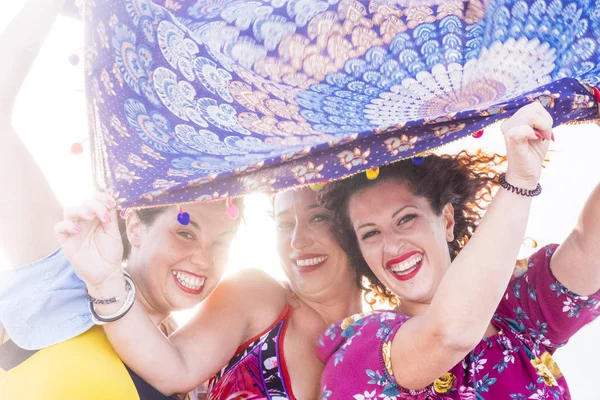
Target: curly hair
149 215
467 181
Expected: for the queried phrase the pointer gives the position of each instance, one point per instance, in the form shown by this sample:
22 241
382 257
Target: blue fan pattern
193 100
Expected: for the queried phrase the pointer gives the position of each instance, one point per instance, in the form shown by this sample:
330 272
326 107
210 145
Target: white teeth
307 262
189 281
408 264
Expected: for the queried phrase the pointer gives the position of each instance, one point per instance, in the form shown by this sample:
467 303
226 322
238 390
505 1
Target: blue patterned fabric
193 100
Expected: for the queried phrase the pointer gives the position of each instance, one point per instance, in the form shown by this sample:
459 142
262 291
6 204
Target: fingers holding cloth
527 135
89 236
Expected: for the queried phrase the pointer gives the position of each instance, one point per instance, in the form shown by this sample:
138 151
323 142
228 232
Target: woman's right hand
89 236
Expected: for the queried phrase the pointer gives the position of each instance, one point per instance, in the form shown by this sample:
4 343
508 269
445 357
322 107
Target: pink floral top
536 316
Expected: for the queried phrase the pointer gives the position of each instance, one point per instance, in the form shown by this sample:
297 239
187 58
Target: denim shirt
43 303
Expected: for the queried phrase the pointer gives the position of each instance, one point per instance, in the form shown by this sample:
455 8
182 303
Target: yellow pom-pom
317 186
372 173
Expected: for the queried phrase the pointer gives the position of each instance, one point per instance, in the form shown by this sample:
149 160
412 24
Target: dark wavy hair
149 215
467 181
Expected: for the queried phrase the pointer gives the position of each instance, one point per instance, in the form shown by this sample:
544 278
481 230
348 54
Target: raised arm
576 263
429 345
28 207
200 348
196 351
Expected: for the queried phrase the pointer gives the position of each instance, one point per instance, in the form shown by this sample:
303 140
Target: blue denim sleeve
43 303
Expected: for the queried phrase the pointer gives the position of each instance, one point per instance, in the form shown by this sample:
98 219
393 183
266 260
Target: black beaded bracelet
107 301
520 191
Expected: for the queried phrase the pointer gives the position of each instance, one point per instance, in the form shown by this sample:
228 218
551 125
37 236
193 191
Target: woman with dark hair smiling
50 348
458 332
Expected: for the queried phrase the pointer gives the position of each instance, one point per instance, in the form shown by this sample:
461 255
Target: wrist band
104 319
109 300
520 191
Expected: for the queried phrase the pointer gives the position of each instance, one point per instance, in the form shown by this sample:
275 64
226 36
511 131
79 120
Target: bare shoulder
256 288
257 296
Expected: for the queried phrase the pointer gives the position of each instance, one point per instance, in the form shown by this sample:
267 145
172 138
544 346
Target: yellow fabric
85 367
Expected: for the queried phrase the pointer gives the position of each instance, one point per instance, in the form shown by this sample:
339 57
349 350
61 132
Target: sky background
50 115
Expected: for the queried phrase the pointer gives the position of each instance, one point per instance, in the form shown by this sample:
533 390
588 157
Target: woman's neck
157 316
412 309
337 307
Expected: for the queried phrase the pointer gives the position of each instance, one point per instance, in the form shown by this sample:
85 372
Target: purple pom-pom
74 59
183 218
418 160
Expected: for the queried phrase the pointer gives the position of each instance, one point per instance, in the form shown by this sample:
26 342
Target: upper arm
576 263
421 353
541 307
28 207
239 308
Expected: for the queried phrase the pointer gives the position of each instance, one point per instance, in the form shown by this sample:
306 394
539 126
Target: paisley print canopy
194 100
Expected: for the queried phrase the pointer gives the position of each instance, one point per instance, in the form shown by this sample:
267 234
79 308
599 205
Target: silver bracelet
104 319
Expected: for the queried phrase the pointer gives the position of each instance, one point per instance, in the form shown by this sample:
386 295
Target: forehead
211 214
386 194
298 199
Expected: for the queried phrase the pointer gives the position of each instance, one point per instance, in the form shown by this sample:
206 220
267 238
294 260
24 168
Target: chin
185 304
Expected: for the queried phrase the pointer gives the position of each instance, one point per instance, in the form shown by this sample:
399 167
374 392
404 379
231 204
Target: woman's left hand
527 135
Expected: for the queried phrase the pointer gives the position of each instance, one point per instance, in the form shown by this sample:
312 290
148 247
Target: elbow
184 380
172 384
173 387
455 339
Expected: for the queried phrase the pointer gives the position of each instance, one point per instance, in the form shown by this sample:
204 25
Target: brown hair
149 215
467 181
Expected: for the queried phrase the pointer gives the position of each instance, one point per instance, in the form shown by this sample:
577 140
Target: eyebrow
195 225
229 232
308 208
393 216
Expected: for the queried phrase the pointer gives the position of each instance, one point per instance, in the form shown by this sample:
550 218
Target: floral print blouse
536 316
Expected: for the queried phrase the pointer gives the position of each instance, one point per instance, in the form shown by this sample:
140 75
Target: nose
393 245
300 237
201 257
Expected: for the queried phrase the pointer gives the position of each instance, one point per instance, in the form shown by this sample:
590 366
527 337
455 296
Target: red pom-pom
597 94
478 134
76 148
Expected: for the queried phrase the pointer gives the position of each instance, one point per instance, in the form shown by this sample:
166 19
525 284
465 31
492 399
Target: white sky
50 115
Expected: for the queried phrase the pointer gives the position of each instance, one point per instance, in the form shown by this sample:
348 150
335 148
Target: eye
406 219
369 235
320 217
222 244
186 235
285 225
